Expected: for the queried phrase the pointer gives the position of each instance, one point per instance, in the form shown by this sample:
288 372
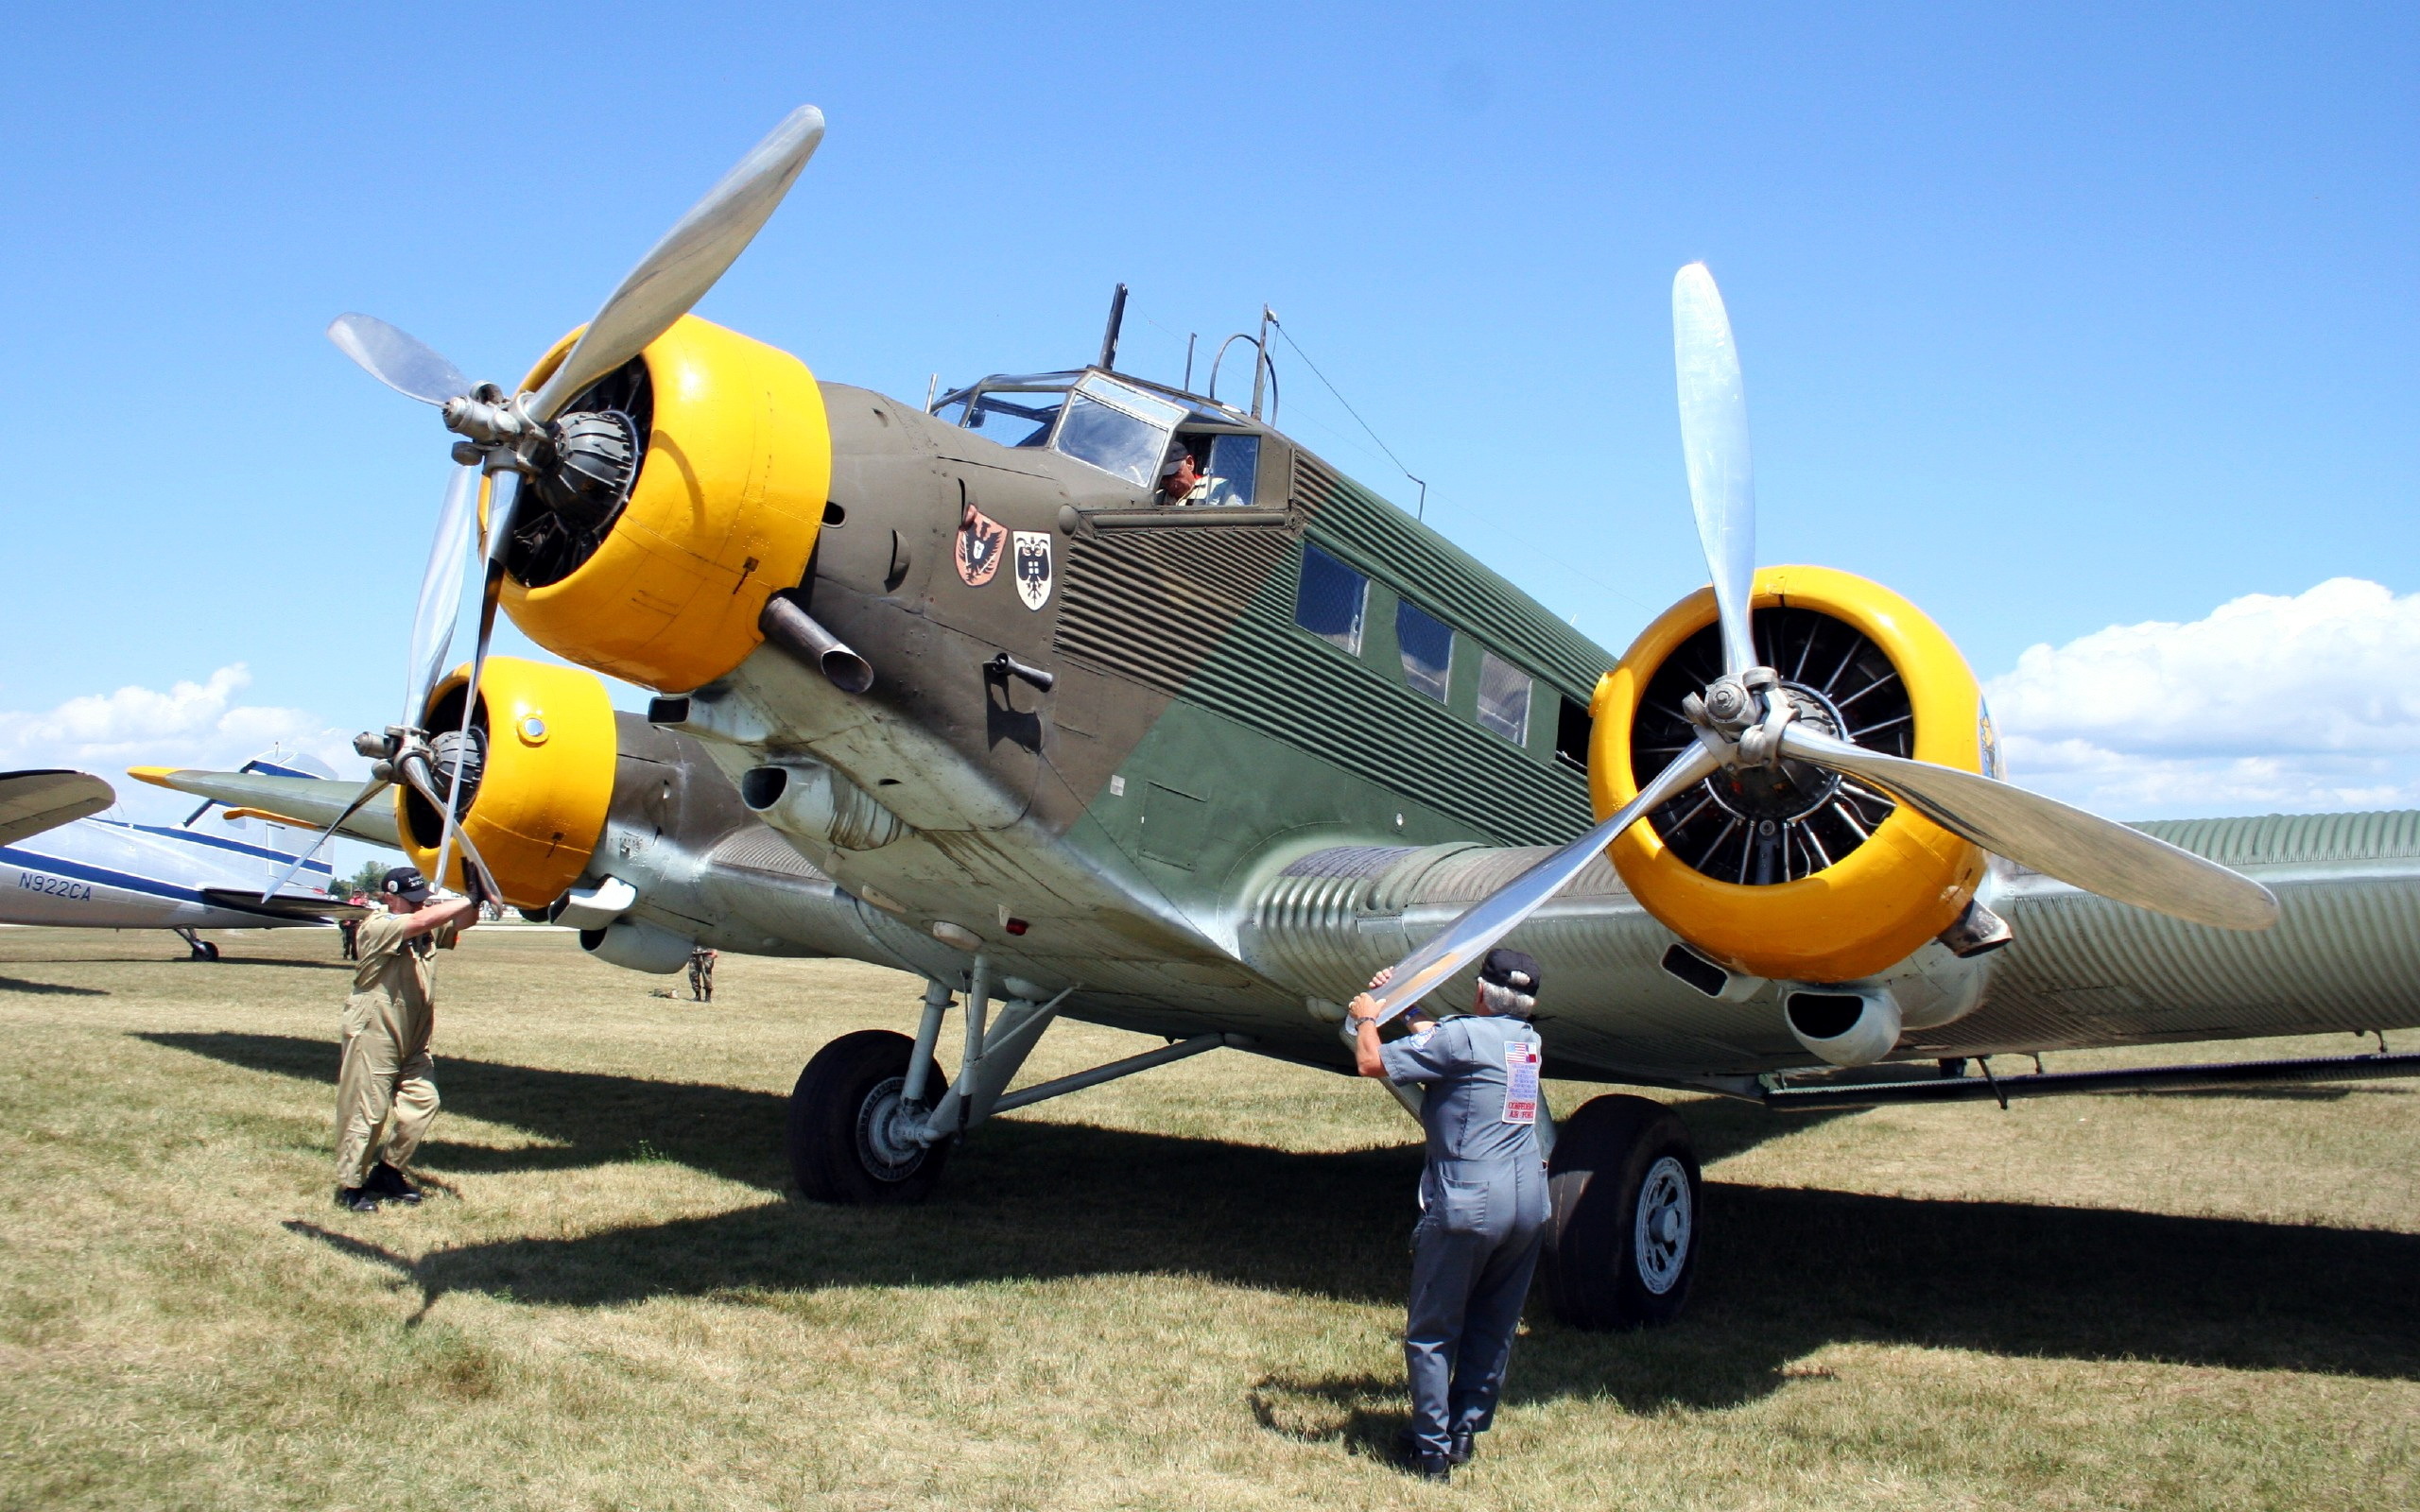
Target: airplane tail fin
265 839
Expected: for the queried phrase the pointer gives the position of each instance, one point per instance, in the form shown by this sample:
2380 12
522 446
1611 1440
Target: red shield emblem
980 539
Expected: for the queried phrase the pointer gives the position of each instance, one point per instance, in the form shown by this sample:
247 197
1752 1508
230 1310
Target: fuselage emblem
1033 567
980 539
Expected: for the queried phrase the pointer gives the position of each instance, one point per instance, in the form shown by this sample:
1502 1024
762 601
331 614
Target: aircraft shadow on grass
1787 1270
50 989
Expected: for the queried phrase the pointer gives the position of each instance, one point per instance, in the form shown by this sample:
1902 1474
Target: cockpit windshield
1118 428
1092 417
1015 417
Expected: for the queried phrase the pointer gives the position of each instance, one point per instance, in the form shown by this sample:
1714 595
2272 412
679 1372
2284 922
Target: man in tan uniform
386 1079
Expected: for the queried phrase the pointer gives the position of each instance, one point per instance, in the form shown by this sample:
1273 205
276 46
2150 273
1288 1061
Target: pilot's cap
1516 970
405 883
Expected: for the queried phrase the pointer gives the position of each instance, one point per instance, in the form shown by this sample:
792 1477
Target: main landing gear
203 950
870 1121
1623 1234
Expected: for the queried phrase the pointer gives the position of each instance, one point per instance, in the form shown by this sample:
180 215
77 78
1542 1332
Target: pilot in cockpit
1181 480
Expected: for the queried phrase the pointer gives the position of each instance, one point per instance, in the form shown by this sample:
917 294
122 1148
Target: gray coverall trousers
1483 1209
1472 1255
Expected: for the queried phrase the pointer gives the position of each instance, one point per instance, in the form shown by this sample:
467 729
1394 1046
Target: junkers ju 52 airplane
951 689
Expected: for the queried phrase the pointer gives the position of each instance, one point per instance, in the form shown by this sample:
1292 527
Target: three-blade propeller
507 438
1744 718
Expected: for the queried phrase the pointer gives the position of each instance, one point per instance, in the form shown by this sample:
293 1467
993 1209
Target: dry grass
1179 1291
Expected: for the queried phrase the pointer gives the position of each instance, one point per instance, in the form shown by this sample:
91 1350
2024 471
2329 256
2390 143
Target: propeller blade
503 503
415 771
1491 918
686 264
1713 438
398 359
2083 850
369 790
440 590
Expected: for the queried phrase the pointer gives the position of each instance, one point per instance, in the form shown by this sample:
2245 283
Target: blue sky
2055 318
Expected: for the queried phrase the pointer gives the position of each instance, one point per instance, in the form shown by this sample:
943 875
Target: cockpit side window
1234 465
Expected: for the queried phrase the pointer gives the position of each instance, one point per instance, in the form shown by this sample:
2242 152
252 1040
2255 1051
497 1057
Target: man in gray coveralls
1482 1197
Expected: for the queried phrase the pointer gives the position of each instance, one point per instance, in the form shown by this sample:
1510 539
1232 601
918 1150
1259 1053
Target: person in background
1482 1199
386 1083
701 973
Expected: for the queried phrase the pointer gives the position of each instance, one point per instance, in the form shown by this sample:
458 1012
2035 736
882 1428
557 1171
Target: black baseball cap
407 883
1516 970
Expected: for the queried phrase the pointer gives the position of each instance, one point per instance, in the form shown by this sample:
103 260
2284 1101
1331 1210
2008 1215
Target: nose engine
1789 870
674 496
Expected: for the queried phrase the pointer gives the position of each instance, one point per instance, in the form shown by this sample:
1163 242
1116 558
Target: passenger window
1330 599
1118 429
1235 463
1015 417
1427 646
1504 697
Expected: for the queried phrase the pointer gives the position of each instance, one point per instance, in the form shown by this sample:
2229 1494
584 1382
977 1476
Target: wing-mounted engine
1792 871
672 497
536 776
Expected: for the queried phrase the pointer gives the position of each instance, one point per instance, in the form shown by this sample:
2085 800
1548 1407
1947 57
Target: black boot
386 1181
1461 1446
356 1198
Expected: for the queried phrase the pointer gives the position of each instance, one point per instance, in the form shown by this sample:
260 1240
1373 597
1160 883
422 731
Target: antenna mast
1109 337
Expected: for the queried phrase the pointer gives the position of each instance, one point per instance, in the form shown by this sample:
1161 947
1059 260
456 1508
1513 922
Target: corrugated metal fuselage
1215 819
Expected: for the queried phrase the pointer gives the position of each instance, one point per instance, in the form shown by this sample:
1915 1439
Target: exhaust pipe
796 632
811 800
1846 1026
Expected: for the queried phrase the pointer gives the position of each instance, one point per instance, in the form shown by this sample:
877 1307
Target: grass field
1182 1290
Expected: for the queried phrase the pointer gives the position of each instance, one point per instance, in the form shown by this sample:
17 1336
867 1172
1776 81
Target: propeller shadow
1788 1270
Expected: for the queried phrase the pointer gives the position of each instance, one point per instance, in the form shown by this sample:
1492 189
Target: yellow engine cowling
730 493
546 784
1867 909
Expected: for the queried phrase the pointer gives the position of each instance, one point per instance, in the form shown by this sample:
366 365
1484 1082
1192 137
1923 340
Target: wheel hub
885 1141
1663 1231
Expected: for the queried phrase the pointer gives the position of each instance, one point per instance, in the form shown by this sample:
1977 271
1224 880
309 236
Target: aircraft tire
1627 1219
206 950
837 1150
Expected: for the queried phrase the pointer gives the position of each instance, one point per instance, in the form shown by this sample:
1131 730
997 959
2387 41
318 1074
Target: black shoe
1461 1446
356 1198
1409 1457
386 1181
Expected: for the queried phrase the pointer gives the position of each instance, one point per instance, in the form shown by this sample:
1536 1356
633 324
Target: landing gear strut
871 1120
1622 1239
203 950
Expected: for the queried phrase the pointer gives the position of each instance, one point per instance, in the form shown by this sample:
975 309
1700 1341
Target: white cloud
2297 703
192 724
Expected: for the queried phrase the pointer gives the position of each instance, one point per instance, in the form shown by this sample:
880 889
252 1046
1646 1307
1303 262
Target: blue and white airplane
62 863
